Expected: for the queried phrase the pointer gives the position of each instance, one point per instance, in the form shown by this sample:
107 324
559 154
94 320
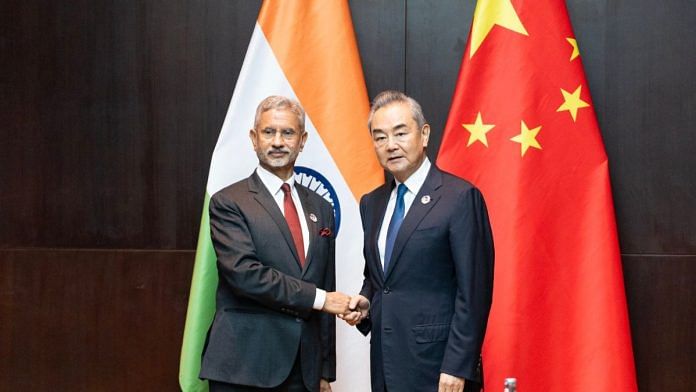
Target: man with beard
274 328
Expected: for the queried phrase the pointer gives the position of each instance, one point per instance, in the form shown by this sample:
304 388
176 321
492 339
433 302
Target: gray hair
280 102
388 97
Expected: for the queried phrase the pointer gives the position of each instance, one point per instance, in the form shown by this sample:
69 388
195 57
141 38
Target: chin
277 163
395 169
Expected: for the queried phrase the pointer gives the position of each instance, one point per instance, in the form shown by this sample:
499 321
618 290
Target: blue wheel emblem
321 186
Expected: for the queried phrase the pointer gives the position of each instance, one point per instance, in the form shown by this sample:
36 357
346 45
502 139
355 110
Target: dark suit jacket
264 299
429 309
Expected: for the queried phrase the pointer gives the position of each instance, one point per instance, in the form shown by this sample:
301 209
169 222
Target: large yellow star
572 102
478 131
527 138
576 52
489 13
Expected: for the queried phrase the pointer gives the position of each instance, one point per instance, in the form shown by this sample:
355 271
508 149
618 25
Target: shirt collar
417 179
271 181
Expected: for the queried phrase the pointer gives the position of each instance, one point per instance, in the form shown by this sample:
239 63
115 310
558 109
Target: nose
277 140
391 143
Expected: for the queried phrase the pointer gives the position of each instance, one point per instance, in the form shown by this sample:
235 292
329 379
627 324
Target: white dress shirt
273 183
413 184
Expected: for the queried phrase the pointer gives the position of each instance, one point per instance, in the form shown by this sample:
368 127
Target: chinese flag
522 128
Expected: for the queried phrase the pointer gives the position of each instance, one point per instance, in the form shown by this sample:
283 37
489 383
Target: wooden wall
109 112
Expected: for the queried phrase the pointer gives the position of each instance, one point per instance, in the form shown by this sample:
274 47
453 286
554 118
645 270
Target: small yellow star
527 138
576 52
489 13
572 102
478 131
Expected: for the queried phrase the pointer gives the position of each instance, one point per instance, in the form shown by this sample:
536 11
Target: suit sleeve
239 266
328 321
367 290
472 250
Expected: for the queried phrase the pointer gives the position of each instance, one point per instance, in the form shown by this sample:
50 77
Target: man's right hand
360 307
336 303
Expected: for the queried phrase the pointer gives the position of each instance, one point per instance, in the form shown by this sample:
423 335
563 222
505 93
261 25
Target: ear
252 136
303 139
425 134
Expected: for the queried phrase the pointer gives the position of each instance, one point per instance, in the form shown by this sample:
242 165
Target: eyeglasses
270 133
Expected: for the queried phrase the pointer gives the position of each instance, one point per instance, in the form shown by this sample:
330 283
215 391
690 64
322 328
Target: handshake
350 309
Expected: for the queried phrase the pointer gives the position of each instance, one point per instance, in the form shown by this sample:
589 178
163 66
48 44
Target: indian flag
305 50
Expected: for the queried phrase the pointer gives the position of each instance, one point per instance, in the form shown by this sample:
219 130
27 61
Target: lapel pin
313 218
425 199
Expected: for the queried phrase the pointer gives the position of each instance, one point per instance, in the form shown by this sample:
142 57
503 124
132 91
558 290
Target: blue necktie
394 224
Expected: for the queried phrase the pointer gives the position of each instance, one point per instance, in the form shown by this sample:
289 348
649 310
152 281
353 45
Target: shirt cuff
319 299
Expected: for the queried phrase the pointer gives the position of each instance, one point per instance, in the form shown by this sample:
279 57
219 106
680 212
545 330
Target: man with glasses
274 328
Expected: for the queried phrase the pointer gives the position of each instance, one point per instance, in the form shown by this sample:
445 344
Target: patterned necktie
394 224
293 222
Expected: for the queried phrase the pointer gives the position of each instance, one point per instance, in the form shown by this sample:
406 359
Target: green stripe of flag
201 308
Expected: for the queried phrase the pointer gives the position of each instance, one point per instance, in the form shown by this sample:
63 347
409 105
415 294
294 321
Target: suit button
386 290
299 320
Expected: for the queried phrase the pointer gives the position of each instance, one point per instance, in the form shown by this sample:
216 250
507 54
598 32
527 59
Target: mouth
277 154
393 159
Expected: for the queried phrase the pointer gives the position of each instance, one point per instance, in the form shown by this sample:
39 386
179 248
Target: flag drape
522 127
305 50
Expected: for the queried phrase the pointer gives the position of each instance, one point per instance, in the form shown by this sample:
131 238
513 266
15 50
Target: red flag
522 128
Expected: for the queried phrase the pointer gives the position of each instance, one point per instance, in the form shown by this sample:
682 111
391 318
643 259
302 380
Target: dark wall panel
380 29
109 117
661 293
650 123
435 39
92 320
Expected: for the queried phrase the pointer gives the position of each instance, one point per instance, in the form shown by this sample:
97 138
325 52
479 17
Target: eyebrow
281 129
395 128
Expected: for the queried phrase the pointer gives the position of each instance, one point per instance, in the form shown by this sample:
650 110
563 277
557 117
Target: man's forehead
279 118
279 112
393 116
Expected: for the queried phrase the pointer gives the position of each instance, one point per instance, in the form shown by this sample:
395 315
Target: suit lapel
416 213
380 209
263 197
310 209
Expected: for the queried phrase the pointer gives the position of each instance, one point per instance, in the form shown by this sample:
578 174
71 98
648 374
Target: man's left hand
450 383
324 386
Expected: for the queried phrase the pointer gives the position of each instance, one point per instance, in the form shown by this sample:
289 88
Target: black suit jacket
430 308
264 298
